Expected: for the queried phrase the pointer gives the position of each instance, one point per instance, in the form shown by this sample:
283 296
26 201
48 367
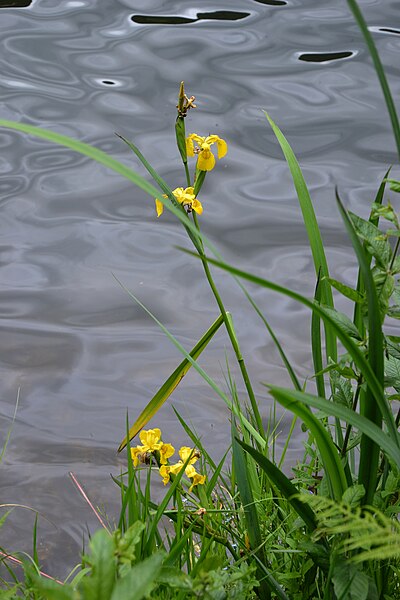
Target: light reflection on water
73 342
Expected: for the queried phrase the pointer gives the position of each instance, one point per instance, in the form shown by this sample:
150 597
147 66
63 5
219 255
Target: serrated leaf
371 235
343 321
349 582
392 372
384 284
353 495
100 583
140 580
342 391
347 291
393 346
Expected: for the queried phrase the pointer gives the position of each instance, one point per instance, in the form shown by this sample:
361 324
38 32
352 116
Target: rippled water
72 341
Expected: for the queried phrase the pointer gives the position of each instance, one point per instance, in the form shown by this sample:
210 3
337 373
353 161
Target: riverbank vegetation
241 527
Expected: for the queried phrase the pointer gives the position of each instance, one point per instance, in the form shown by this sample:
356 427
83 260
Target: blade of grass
333 468
313 232
250 509
171 383
379 70
284 485
3 450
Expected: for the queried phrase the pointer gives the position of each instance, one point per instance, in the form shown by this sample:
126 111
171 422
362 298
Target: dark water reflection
73 343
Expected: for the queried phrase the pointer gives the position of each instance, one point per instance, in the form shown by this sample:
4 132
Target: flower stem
232 336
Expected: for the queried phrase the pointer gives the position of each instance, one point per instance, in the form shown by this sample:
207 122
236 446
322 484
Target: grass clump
241 528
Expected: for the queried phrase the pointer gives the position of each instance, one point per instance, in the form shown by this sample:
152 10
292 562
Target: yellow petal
189 146
197 207
166 451
135 452
207 162
159 207
185 452
190 190
222 147
164 472
174 469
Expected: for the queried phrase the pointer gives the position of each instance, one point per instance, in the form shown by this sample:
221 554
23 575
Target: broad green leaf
51 590
345 290
384 284
345 414
392 372
140 580
353 495
379 70
333 467
312 228
349 582
342 391
100 583
343 321
372 236
171 383
284 485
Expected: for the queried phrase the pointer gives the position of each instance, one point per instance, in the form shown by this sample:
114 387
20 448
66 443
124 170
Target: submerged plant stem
232 337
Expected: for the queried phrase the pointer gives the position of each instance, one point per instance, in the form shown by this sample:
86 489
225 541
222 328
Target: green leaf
333 467
343 321
284 485
346 291
342 391
394 185
140 580
349 582
353 495
312 228
100 584
392 372
384 284
372 236
171 383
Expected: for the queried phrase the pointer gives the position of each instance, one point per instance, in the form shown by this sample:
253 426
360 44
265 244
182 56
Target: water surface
80 352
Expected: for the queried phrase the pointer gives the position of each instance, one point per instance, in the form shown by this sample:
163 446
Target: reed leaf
313 232
171 383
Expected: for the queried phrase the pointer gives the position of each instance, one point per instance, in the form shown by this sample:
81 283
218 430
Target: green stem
187 174
348 428
232 336
394 254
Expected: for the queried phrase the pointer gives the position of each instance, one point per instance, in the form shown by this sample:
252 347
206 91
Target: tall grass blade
379 70
247 501
4 448
316 344
333 468
369 450
171 383
313 232
284 485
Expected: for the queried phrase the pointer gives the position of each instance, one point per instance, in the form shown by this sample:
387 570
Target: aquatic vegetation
242 528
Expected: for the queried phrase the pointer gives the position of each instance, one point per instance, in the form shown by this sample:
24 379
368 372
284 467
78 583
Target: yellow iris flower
205 158
151 442
167 470
186 197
